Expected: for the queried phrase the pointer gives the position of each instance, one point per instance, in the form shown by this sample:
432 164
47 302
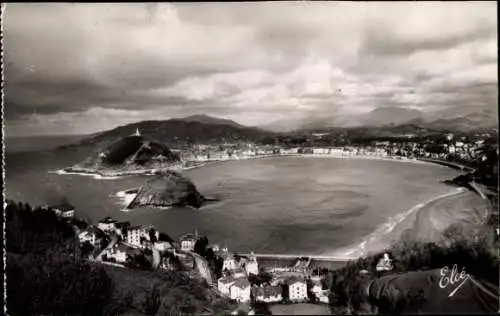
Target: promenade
297 256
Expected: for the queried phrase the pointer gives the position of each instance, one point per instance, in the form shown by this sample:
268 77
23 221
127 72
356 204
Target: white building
135 235
187 242
229 263
252 266
290 151
385 263
239 273
316 289
107 225
297 289
324 298
321 151
267 294
64 210
240 290
119 253
90 235
224 284
162 245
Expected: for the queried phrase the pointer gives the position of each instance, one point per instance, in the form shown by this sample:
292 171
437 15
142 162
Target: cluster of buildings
240 282
117 242
234 282
63 210
127 241
443 147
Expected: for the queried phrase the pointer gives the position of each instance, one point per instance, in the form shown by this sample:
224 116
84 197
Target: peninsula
131 155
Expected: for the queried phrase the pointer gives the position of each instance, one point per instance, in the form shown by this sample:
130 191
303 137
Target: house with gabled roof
267 294
240 290
107 225
188 241
64 210
297 289
92 235
224 284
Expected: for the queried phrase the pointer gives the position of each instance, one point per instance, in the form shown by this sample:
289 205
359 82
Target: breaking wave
95 176
360 249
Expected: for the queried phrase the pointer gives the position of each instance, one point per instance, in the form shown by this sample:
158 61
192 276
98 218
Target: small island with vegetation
166 190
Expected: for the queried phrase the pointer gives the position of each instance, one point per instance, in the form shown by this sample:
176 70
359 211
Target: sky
83 68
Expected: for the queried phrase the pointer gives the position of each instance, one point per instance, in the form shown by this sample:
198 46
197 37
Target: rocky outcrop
168 189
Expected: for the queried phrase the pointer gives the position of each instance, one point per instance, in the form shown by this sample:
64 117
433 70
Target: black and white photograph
250 158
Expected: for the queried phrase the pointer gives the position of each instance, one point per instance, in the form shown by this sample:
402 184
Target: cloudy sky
80 68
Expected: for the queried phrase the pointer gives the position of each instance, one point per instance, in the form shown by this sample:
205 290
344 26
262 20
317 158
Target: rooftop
241 283
266 291
188 236
107 220
227 279
296 279
122 224
64 207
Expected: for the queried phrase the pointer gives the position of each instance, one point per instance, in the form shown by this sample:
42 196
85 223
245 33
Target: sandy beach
201 163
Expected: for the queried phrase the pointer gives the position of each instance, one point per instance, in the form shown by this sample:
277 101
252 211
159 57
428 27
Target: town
458 149
250 279
244 278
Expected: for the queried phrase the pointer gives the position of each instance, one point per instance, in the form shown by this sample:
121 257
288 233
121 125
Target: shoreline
359 250
151 172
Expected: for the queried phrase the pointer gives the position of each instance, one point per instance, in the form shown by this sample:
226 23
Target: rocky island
168 189
130 155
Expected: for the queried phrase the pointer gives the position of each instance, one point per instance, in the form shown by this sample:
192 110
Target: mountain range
381 122
456 119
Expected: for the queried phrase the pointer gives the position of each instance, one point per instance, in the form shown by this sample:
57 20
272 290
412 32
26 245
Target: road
203 268
292 256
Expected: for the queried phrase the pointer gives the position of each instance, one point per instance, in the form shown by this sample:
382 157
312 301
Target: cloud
253 62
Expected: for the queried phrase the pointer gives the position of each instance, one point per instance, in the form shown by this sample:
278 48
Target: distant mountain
377 117
388 116
179 132
205 119
463 119
457 119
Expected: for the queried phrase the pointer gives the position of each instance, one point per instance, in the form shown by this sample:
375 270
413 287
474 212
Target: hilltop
130 154
179 132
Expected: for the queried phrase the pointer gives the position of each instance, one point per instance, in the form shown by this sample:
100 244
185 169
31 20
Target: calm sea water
285 204
34 143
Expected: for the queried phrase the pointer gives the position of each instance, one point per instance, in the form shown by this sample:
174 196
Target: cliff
168 189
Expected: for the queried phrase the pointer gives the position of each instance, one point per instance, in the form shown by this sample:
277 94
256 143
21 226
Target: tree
201 245
86 249
152 235
55 283
165 237
153 301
